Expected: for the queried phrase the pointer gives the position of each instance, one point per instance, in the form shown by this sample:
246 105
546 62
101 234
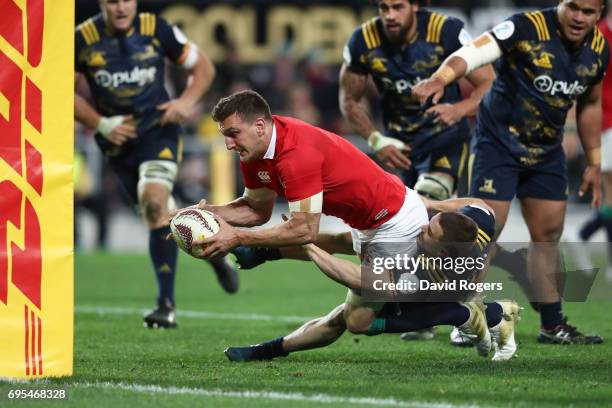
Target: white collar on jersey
272 146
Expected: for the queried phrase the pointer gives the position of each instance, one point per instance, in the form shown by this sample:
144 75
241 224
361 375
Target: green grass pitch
119 363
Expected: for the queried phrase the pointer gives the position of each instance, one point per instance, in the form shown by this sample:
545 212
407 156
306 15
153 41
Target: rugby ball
193 224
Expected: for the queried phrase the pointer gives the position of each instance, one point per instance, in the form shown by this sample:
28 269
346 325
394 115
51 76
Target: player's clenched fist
117 129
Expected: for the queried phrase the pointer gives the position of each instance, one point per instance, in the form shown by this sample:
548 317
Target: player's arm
342 271
589 120
482 51
113 128
454 204
391 152
254 208
302 228
201 74
482 80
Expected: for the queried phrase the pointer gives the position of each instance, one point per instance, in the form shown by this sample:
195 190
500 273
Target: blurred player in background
603 216
397 49
121 56
549 59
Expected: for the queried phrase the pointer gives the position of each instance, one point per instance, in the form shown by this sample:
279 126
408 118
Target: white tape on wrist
106 125
378 141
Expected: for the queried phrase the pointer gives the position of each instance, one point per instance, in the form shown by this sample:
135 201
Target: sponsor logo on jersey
487 187
137 76
544 60
378 65
547 85
264 176
96 59
400 86
166 154
443 162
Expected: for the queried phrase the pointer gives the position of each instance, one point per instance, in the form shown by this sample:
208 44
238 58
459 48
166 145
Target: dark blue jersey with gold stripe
395 71
126 72
539 78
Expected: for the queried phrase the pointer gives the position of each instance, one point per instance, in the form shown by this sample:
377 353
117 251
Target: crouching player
473 223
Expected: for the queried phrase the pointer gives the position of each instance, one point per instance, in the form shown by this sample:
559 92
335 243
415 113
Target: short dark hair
249 105
458 228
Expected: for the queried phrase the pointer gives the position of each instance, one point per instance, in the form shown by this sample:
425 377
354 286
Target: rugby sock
163 255
422 316
494 312
551 315
268 350
592 225
250 257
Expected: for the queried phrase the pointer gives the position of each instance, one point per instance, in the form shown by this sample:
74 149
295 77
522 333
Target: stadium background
295 66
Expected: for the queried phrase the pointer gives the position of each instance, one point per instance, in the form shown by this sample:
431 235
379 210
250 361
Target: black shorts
157 143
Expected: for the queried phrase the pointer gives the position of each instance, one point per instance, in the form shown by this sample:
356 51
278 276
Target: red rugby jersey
309 160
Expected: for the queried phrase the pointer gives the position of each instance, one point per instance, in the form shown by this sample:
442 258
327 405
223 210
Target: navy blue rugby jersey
395 71
539 77
126 72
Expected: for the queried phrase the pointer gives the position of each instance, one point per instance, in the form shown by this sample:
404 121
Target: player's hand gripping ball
193 224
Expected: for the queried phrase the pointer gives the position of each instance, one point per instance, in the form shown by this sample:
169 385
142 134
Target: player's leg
156 179
316 333
250 257
543 195
606 212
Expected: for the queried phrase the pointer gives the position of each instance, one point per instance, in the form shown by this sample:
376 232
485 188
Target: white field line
103 310
267 395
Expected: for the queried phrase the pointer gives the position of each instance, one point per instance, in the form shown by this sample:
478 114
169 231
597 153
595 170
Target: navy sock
592 225
163 255
269 350
421 316
494 313
551 314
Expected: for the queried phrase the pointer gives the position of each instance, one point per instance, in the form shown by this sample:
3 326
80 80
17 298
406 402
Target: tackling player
603 216
397 49
457 220
549 59
121 56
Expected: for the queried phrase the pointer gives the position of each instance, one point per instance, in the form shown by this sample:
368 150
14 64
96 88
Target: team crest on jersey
544 61
264 176
96 59
148 53
487 187
583 71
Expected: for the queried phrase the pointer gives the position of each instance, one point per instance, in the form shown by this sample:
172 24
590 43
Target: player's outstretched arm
391 152
589 120
454 204
342 271
482 51
482 80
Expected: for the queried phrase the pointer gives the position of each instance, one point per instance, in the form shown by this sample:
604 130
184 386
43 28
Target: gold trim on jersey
539 21
598 42
89 31
370 34
147 24
483 239
434 28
